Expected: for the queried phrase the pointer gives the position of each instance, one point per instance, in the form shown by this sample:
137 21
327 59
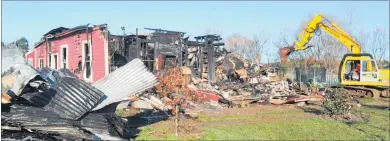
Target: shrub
337 102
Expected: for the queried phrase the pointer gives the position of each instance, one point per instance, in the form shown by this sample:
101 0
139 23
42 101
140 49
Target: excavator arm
317 23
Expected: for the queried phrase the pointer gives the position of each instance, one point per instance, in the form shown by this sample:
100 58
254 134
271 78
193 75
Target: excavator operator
357 68
356 71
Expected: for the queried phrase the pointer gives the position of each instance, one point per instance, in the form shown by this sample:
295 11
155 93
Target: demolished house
163 49
82 50
158 49
203 54
144 77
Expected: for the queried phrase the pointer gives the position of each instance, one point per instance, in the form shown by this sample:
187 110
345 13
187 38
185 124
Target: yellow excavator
358 72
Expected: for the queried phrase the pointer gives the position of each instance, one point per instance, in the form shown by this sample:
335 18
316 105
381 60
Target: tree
254 47
22 44
247 48
236 44
375 43
379 44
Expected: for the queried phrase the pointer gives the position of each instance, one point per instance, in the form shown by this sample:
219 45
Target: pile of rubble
55 104
176 93
181 92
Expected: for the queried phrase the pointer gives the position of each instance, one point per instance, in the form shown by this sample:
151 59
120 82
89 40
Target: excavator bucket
283 53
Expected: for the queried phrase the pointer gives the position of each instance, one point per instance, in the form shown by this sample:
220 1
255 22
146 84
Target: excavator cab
358 69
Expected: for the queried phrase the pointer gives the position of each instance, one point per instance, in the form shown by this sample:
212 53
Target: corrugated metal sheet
70 98
38 119
51 75
131 78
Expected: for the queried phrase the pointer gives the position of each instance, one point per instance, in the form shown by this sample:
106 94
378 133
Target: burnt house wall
208 51
123 49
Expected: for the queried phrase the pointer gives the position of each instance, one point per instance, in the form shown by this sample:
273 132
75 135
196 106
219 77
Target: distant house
83 50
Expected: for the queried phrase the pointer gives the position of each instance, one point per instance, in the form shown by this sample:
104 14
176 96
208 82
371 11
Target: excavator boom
317 23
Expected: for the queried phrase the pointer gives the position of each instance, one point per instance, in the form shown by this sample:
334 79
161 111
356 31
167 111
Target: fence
318 75
332 80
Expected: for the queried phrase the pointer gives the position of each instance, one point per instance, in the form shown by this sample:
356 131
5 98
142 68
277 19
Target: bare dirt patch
186 128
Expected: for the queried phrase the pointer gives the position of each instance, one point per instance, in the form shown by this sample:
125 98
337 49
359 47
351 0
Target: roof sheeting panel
38 119
70 98
131 78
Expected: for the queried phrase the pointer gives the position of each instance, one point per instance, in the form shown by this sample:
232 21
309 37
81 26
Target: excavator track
365 92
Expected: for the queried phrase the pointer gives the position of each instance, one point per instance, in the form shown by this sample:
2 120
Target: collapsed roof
63 31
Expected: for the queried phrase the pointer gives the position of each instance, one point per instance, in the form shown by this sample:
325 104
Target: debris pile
180 92
55 104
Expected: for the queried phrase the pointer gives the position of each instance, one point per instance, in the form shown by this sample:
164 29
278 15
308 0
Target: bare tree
236 44
247 48
254 47
375 43
364 39
267 54
379 44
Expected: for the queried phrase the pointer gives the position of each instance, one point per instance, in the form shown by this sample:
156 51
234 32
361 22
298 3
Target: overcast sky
33 19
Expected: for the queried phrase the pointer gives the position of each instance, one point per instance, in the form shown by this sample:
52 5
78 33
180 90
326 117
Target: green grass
378 127
147 134
254 116
285 124
307 129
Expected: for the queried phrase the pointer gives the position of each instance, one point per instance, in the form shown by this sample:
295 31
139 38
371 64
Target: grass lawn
286 123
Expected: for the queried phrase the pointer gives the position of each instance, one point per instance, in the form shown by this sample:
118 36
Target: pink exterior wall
31 56
40 53
74 54
73 50
98 59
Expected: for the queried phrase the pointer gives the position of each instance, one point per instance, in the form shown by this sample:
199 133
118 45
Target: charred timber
194 43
